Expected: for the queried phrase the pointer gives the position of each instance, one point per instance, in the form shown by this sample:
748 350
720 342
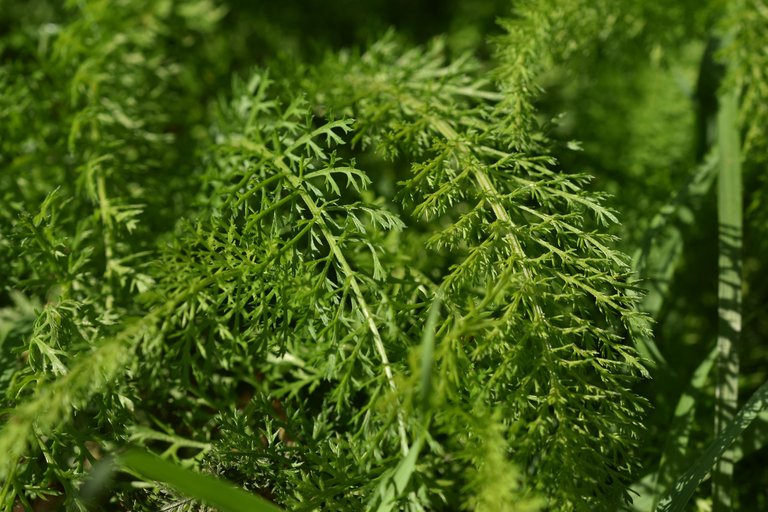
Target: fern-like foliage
87 129
308 303
743 26
514 229
275 333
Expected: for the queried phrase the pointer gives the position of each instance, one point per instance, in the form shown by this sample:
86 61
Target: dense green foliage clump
370 255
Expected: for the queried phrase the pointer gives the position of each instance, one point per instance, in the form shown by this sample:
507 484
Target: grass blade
683 489
427 355
651 488
729 212
676 449
754 439
394 486
218 493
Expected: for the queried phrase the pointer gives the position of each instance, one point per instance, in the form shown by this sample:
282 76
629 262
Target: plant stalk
729 213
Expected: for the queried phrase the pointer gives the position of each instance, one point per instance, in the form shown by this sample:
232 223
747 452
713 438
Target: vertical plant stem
106 219
360 298
682 491
729 213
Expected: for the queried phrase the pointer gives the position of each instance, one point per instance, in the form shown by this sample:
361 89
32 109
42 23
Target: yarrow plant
367 278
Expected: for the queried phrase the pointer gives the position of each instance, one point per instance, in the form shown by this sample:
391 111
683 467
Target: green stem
368 316
106 219
729 213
